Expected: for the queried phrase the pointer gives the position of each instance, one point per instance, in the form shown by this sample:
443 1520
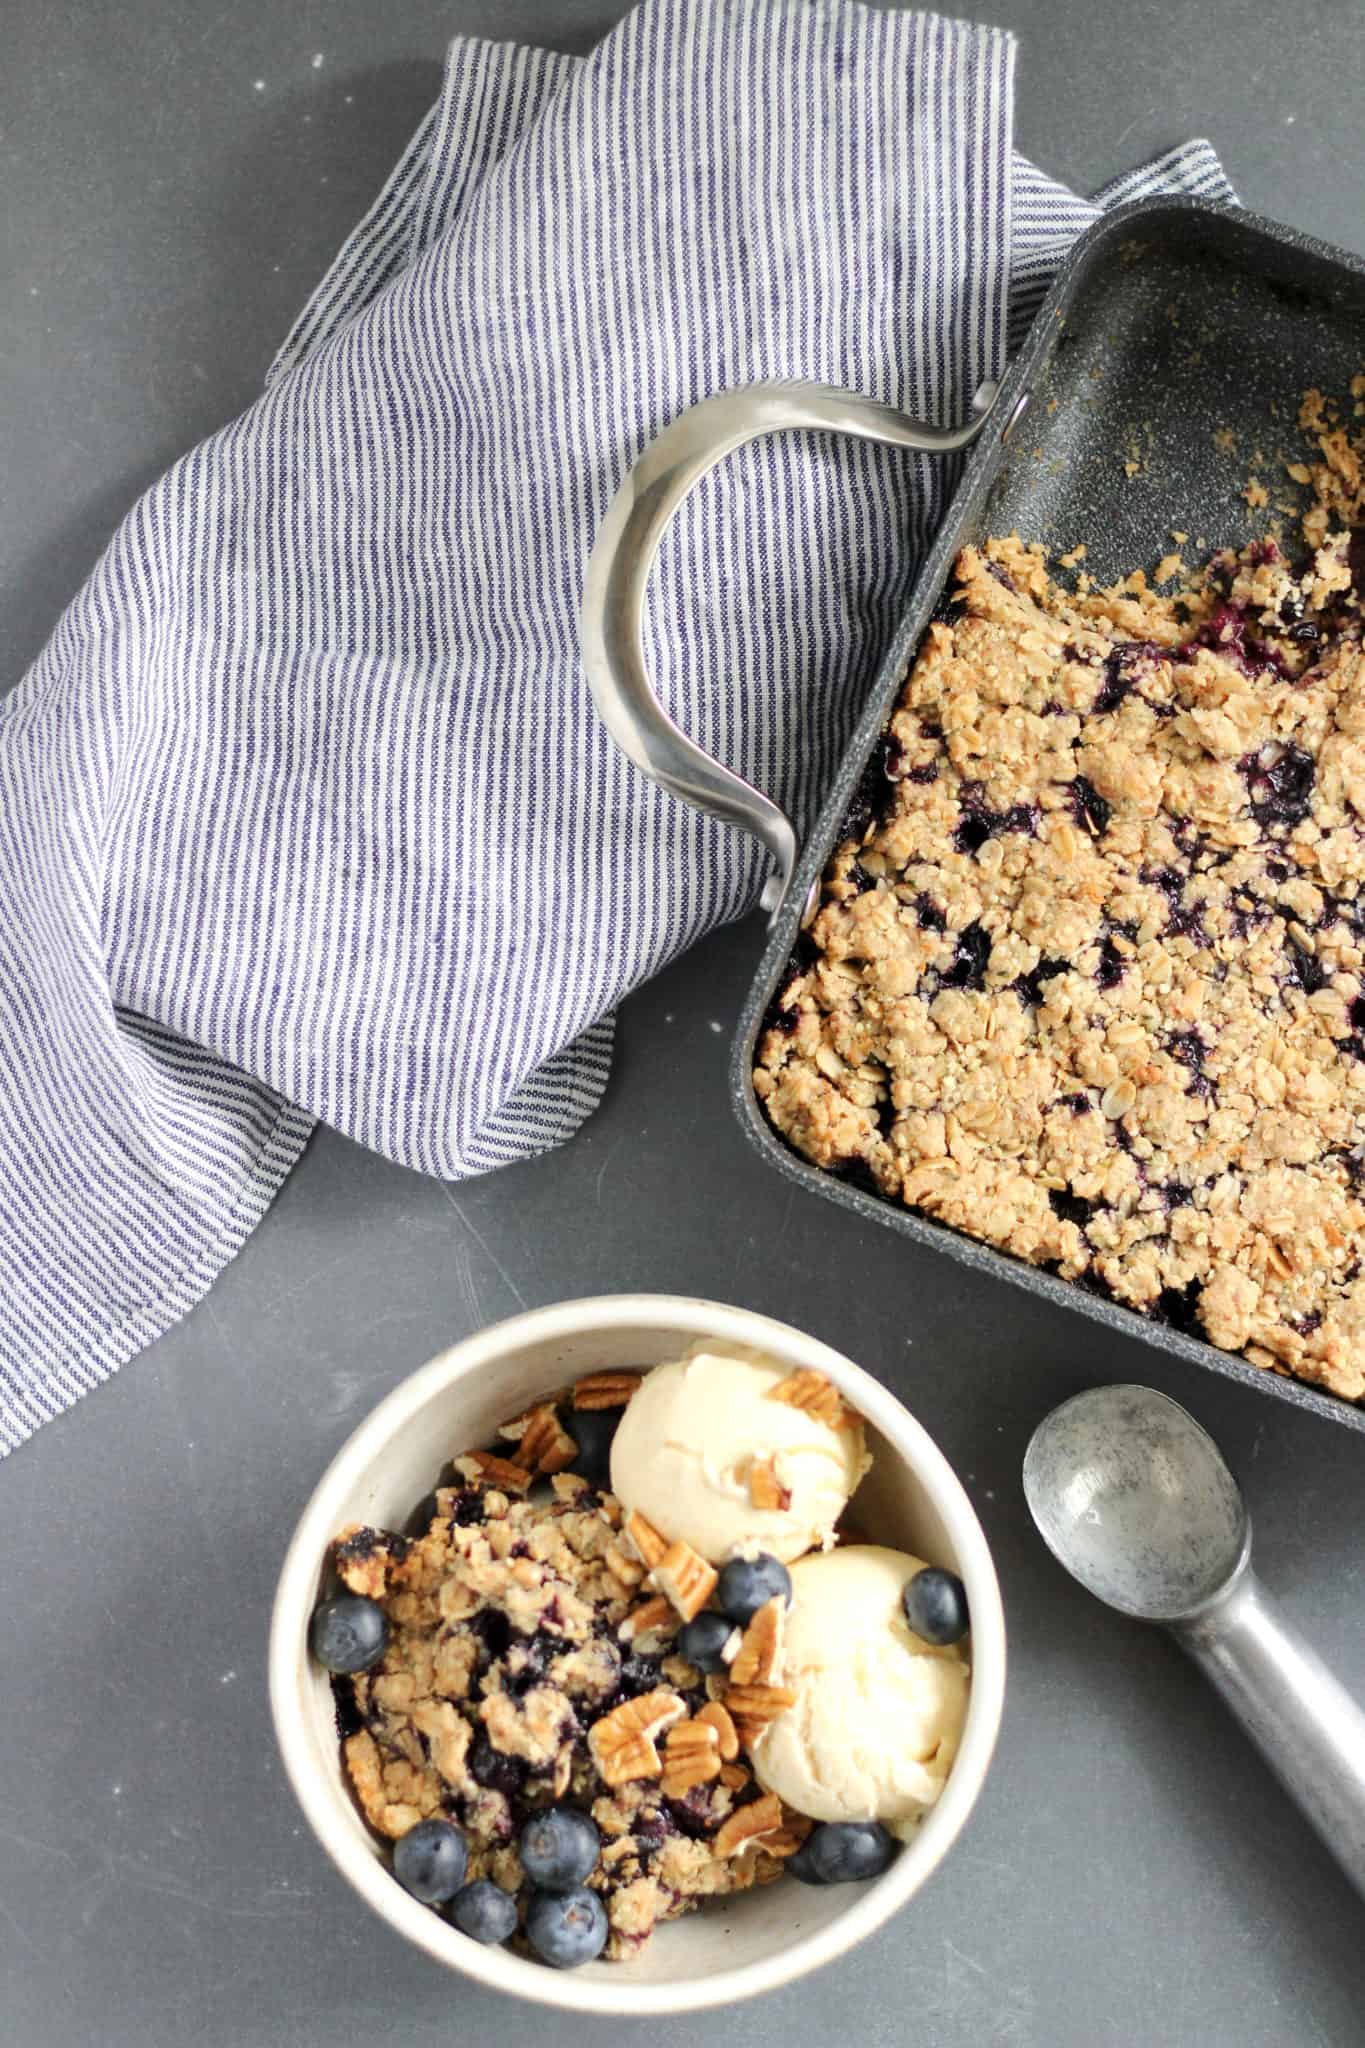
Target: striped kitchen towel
304 811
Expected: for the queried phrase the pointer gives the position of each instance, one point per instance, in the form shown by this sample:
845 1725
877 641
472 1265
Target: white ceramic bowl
912 1499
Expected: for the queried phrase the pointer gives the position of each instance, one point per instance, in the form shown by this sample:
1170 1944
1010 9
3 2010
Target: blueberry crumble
565 1721
1093 990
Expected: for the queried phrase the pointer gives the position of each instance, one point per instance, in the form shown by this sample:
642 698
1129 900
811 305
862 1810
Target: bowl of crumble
637 1655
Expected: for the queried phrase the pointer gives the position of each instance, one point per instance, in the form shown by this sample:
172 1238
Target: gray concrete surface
1132 1877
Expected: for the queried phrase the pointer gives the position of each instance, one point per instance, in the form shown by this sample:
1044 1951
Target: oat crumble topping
526 1663
1087 978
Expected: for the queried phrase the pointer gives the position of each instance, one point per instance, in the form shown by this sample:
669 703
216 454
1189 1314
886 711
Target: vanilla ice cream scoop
711 1459
878 1712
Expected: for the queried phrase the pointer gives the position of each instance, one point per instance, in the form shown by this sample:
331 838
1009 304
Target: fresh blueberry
593 1429
484 1911
430 1861
802 1865
348 1633
847 1851
747 1582
566 1928
702 1640
936 1606
558 1848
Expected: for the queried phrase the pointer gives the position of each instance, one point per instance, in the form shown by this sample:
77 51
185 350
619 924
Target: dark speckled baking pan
1170 320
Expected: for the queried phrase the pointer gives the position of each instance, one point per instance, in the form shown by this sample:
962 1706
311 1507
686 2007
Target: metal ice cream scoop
1134 1499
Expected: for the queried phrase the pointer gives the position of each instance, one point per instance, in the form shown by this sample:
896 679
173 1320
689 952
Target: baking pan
1168 321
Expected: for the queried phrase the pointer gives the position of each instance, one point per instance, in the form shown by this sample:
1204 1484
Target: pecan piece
687 1578
622 1742
748 1824
766 1489
754 1706
605 1389
651 1621
816 1395
691 1757
648 1544
790 1836
727 1741
759 1659
488 1469
543 1446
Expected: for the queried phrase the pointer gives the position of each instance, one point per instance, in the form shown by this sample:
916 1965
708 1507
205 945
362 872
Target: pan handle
612 620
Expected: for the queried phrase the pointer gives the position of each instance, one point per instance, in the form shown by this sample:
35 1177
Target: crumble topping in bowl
1087 978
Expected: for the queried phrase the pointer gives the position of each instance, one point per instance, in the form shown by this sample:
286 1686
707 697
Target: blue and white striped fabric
304 811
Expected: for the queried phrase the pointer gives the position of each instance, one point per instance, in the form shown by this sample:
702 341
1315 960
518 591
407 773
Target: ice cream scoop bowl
1133 1497
726 1952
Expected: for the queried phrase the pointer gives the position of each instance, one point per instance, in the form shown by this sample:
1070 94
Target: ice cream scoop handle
1306 1725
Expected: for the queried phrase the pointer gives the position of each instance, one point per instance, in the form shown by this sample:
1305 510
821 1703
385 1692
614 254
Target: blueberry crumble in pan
1087 976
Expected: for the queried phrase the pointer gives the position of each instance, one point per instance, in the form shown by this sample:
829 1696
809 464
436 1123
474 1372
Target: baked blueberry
847 1851
484 1911
747 1582
558 1847
592 1429
430 1861
348 1633
566 1929
802 1866
702 1640
936 1606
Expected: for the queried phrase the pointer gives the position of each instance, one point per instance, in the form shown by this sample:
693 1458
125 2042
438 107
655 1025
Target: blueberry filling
1029 987
350 1720
494 1631
858 1174
931 918
978 822
872 798
1225 633
1186 920
1306 968
1090 810
494 1771
526 1664
1110 971
1179 1308
1072 1208
1118 676
1247 914
970 959
1189 1048
688 1820
639 1673
1280 780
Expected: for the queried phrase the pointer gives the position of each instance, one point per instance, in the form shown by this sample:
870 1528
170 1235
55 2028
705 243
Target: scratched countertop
175 179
